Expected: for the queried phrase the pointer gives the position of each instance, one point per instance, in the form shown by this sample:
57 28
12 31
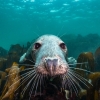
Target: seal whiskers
27 76
30 60
33 85
73 76
48 57
74 80
28 84
37 84
80 77
73 84
20 71
81 69
22 78
40 84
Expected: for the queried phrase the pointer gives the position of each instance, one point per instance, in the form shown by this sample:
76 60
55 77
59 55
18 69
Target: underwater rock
15 50
97 59
14 54
82 44
3 52
3 64
12 83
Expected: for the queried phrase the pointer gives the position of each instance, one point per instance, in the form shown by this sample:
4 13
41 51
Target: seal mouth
52 67
59 71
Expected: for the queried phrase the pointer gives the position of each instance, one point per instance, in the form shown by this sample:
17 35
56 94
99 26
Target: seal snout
51 65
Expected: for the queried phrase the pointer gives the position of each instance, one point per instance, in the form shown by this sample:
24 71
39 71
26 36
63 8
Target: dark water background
24 20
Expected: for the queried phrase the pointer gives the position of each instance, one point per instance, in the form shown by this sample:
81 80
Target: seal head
49 53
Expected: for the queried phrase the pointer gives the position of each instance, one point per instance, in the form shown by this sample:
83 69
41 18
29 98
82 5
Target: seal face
49 53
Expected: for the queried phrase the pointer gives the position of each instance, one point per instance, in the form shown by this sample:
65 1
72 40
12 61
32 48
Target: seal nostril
51 62
51 65
55 62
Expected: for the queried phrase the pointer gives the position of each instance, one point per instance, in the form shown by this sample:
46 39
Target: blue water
24 20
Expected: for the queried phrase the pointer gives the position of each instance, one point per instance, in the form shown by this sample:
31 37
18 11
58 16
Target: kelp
93 91
85 62
11 83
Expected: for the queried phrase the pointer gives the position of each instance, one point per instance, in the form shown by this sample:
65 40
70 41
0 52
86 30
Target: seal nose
51 65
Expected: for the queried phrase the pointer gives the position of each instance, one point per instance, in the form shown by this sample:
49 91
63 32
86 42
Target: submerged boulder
3 52
3 64
97 59
14 53
79 43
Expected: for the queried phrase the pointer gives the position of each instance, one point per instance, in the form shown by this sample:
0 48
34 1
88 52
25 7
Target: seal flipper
28 57
22 58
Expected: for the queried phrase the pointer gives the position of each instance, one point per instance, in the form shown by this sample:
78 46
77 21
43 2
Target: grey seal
49 53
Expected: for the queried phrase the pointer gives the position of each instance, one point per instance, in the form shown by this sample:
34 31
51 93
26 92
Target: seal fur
50 49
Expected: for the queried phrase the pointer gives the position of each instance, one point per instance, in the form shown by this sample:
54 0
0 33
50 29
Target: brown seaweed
88 63
11 83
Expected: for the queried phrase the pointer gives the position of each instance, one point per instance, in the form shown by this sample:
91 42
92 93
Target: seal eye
37 45
63 46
